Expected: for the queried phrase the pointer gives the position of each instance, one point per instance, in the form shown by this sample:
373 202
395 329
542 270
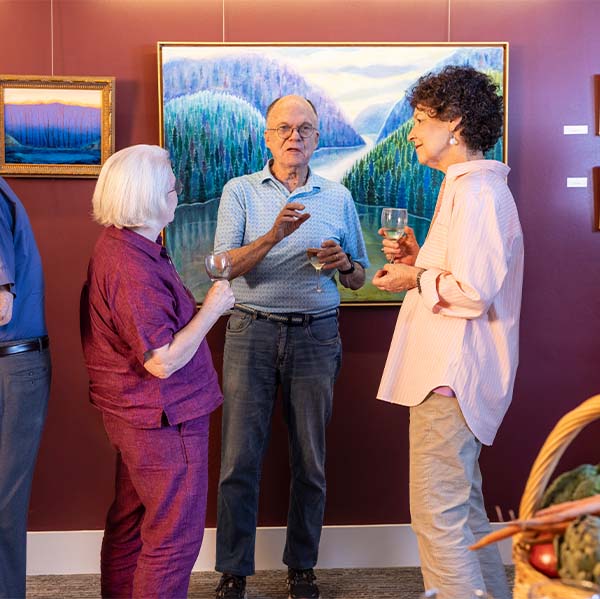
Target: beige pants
446 503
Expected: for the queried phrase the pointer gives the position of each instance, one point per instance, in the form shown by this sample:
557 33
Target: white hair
133 186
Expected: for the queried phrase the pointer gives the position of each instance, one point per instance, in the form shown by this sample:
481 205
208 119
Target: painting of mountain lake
212 104
56 128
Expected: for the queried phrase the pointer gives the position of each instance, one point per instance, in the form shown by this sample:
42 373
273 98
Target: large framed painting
213 99
55 126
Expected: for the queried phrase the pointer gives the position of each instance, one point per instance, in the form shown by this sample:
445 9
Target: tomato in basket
543 558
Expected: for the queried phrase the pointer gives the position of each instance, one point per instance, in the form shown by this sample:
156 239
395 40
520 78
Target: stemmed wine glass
218 265
311 253
393 221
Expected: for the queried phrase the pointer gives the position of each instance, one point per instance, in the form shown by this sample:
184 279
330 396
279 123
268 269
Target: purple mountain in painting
53 125
258 80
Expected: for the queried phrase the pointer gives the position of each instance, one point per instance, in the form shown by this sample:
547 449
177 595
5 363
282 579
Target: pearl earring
453 141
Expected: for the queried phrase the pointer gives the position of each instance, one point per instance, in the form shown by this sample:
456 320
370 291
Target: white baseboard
375 546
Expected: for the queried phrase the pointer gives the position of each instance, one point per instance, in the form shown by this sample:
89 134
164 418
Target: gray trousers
24 391
446 503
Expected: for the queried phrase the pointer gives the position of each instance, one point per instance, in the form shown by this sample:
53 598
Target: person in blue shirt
283 333
24 383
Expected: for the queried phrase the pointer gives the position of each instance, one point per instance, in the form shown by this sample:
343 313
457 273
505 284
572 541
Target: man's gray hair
133 186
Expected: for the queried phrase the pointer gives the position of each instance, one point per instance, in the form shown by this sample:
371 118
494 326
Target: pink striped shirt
462 332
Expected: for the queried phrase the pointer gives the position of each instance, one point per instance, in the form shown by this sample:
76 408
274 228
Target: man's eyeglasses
285 131
178 187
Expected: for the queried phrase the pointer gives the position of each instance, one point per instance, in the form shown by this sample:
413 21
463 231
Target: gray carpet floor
372 583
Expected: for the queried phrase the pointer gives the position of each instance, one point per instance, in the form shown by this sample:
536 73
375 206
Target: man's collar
311 181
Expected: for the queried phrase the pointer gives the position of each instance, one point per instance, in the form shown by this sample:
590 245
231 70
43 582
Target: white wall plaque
576 181
575 129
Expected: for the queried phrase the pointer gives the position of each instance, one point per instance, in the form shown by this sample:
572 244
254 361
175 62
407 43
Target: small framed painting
55 126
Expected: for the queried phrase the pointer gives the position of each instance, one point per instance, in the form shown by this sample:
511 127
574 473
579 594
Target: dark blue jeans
304 361
24 390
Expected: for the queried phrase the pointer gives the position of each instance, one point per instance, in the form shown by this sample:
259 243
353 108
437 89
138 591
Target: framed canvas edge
505 45
106 85
596 197
597 103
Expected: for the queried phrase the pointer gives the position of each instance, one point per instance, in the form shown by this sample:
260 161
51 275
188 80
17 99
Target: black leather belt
294 319
19 347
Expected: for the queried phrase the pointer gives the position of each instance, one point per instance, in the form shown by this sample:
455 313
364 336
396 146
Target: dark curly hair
462 92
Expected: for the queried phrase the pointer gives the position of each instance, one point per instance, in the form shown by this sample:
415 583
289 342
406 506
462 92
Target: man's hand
403 250
396 277
333 256
288 221
6 305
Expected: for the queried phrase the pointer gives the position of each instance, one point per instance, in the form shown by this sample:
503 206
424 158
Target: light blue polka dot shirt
285 281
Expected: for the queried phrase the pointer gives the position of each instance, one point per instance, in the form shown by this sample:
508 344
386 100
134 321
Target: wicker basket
567 428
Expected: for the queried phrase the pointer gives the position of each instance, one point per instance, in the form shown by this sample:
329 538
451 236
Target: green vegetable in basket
583 481
579 553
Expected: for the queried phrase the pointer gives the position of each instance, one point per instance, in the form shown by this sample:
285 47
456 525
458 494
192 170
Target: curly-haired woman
454 352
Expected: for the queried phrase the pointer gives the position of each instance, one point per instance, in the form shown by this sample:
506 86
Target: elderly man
24 383
282 333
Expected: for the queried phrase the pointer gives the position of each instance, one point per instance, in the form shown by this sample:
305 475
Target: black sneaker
301 584
231 587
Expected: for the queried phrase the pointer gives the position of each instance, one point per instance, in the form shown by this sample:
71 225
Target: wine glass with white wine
311 253
218 265
393 221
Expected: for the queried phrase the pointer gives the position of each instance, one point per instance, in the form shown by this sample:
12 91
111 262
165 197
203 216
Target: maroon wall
554 53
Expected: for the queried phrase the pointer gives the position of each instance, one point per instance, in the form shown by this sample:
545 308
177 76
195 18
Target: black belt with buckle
294 319
20 347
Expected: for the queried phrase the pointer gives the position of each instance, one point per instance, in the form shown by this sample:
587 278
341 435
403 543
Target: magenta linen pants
155 525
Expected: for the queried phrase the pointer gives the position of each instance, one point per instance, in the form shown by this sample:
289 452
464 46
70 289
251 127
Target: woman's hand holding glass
403 250
219 298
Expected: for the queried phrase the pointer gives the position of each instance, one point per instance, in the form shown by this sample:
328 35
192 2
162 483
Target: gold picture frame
55 126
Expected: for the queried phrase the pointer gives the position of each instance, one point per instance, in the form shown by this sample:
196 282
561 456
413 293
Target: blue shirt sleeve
231 219
7 249
353 242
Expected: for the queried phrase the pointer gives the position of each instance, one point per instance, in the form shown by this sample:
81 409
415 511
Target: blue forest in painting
53 133
213 111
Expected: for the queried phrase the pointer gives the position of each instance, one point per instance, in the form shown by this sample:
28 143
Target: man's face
293 151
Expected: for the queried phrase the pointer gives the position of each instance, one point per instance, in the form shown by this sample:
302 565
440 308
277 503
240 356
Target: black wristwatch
350 270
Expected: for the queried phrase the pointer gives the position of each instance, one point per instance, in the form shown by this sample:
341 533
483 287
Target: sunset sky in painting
77 97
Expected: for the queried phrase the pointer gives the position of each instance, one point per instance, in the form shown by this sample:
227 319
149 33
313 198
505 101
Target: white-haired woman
151 376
